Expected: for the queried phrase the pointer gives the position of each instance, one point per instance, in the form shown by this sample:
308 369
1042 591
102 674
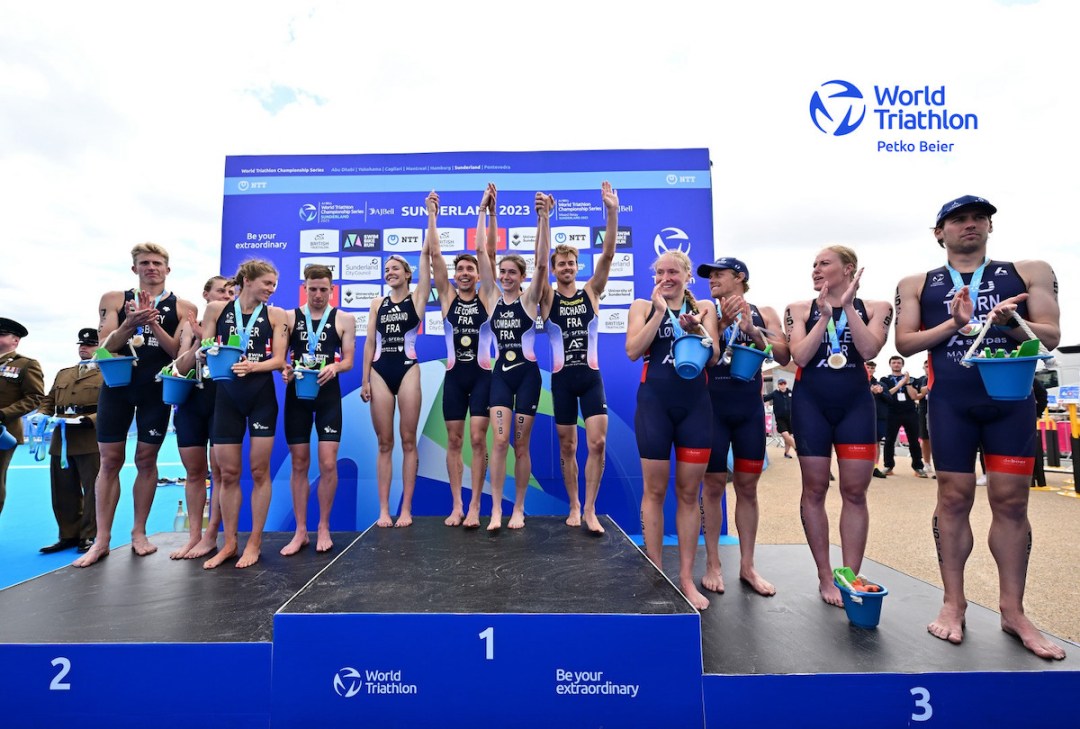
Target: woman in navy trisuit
672 412
830 339
391 374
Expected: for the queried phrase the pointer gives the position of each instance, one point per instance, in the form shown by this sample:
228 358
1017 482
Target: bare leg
1010 543
746 522
455 468
596 436
815 484
712 494
568 460
259 455
688 522
855 475
300 488
478 428
146 480
229 461
523 425
409 401
328 481
107 496
654 476
954 540
789 443
382 418
194 460
501 418
208 543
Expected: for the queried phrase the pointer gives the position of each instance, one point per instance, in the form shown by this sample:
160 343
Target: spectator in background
781 409
898 385
22 386
881 406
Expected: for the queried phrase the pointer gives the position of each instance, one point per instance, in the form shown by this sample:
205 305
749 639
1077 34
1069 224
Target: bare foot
574 518
298 542
593 524
455 518
384 521
472 519
404 519
206 545
699 601
323 543
496 521
250 556
183 551
225 553
949 624
830 593
517 520
713 580
141 546
757 583
99 551
1030 636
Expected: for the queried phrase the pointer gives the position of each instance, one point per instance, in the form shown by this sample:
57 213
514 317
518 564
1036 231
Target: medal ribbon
973 287
836 330
245 331
315 332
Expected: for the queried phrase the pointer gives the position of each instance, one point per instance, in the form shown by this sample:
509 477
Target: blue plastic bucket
7 440
690 355
175 390
221 361
746 362
116 371
1008 378
307 385
863 608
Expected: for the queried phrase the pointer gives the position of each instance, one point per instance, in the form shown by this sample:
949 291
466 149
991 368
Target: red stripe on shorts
1016 465
857 451
692 455
745 465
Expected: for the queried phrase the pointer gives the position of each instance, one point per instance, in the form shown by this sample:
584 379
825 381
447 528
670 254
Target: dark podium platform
791 659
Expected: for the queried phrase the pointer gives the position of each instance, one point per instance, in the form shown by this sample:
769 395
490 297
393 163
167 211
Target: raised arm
539 291
803 343
641 328
598 281
422 289
438 265
485 255
911 338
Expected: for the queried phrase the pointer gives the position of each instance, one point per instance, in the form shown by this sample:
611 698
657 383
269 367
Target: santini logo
834 99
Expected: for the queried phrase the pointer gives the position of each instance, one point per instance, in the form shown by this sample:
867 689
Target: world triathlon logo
671 239
308 212
347 682
837 100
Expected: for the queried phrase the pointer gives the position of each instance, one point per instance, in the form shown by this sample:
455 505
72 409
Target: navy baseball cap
725 263
966 201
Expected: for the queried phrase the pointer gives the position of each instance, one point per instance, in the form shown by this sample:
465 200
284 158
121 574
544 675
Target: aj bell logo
833 99
347 682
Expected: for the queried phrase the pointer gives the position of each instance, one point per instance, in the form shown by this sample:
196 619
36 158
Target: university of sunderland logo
837 100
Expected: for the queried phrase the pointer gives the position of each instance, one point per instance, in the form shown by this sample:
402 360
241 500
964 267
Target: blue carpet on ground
27 522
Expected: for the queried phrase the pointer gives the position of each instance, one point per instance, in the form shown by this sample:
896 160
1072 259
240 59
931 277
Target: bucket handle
1023 325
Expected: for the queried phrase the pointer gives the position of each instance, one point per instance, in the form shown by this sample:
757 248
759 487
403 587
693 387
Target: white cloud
117 123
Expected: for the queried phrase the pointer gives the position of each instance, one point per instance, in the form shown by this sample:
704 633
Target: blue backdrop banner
351 212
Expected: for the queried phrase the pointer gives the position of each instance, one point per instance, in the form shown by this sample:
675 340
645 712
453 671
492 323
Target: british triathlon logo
908 119
837 100
671 239
347 682
308 212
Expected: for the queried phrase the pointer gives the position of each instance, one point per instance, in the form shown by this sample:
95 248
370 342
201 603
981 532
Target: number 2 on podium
488 636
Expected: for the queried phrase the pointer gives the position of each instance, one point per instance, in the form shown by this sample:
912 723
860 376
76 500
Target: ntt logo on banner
839 108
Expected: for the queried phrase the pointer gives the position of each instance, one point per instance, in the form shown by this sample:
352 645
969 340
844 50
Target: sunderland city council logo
671 239
837 100
308 212
347 682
